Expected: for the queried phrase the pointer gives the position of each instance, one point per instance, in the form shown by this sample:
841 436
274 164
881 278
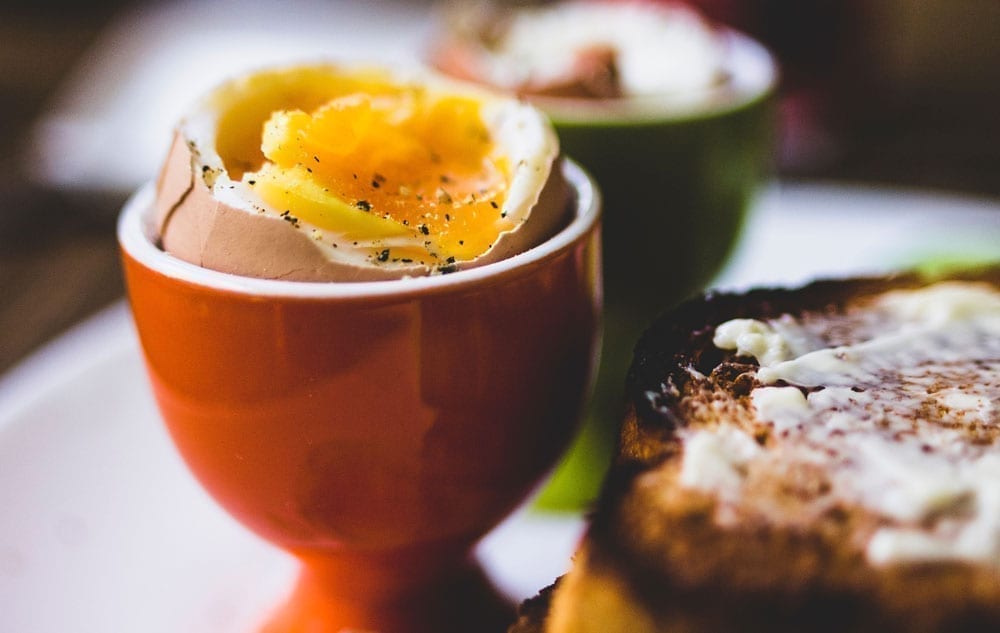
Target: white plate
103 530
803 231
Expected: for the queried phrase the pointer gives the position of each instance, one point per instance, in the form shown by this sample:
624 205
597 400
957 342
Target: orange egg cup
375 430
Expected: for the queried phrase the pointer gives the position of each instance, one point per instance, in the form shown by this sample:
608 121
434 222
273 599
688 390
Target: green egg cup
676 188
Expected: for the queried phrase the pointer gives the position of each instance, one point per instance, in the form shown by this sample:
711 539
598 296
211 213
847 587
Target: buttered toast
825 458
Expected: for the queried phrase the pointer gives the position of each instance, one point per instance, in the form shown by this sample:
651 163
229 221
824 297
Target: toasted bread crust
671 566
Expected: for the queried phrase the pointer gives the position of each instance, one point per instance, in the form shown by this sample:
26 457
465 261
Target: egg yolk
414 176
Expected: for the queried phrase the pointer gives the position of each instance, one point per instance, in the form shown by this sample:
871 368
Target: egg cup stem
433 590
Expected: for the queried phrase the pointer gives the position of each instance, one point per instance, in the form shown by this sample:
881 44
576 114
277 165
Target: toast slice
825 458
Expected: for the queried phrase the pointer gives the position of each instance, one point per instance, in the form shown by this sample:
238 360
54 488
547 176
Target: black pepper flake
376 184
450 260
251 182
493 203
205 168
379 178
447 217
450 268
309 169
315 158
445 179
384 255
423 229
406 223
461 242
503 215
406 260
364 205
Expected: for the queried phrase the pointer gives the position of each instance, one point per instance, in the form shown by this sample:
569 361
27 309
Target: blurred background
900 93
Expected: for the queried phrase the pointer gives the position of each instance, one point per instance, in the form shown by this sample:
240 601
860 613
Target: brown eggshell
549 213
197 227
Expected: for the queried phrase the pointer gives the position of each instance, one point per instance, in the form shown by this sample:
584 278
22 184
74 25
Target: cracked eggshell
207 218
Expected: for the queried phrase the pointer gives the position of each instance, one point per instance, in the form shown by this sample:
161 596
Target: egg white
206 222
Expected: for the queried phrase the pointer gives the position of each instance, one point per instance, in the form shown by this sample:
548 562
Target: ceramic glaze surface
377 432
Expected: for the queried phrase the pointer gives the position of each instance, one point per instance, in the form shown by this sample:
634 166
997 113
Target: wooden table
58 260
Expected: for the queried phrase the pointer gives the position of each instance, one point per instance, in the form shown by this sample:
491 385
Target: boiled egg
333 173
